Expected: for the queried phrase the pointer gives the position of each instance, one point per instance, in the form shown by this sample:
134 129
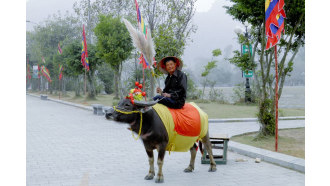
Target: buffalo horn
145 103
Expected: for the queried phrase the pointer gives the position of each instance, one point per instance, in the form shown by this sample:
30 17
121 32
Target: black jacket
176 85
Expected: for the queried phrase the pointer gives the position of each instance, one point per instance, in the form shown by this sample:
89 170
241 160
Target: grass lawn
213 109
290 141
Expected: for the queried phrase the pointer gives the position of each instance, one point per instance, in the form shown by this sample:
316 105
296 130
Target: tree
106 75
170 25
114 45
43 41
159 16
116 8
252 11
73 66
207 68
94 61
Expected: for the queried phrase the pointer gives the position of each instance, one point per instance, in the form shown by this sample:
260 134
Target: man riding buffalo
174 93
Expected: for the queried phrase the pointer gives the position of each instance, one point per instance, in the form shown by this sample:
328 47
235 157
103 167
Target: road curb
280 159
66 103
230 120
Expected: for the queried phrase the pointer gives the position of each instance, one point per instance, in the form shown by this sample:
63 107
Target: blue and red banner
46 73
274 16
140 19
84 53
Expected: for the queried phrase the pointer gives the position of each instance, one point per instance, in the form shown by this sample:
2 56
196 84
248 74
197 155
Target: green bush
192 92
266 117
106 75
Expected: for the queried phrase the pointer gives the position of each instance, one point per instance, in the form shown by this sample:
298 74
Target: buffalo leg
207 144
151 173
193 153
160 161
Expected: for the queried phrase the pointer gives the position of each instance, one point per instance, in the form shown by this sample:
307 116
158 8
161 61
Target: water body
292 96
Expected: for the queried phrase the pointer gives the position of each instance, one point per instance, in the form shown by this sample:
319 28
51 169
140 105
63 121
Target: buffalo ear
145 103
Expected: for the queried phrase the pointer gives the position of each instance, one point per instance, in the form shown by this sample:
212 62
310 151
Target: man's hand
159 90
166 95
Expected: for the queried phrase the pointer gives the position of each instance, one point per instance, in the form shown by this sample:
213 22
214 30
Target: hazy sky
203 5
48 7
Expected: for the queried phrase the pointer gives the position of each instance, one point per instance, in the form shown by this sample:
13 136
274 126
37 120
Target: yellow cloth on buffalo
176 141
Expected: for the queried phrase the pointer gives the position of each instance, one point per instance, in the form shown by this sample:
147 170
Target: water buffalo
153 134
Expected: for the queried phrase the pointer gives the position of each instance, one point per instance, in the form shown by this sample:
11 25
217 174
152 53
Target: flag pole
85 81
276 100
59 89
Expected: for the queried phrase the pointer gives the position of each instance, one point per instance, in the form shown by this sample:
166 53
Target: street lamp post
247 83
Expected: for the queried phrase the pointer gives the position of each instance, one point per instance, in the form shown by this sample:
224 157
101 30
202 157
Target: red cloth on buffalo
186 120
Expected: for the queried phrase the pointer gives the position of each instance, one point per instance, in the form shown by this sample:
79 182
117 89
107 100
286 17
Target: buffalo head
127 112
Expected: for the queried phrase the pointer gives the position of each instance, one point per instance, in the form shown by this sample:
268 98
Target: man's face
170 67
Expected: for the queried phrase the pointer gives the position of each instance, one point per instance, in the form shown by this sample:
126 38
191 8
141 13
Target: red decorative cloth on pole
60 72
84 53
59 48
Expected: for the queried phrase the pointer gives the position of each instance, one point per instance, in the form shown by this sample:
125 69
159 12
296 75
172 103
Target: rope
132 112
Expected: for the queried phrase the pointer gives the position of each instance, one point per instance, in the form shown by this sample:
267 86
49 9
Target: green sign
246 49
248 74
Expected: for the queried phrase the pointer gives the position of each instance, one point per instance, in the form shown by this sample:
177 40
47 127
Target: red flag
84 53
274 16
60 72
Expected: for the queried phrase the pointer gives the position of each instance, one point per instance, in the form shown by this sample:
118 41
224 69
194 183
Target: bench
219 141
43 97
98 109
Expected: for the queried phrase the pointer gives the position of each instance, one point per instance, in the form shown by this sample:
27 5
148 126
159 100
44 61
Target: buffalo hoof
160 179
213 169
150 176
188 169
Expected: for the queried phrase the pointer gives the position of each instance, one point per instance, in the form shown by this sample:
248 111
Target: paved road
68 146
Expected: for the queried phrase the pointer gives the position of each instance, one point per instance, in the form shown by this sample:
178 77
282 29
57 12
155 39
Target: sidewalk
66 145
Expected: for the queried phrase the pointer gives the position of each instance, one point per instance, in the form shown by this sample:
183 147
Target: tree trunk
116 85
204 84
77 86
91 87
63 86
119 81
